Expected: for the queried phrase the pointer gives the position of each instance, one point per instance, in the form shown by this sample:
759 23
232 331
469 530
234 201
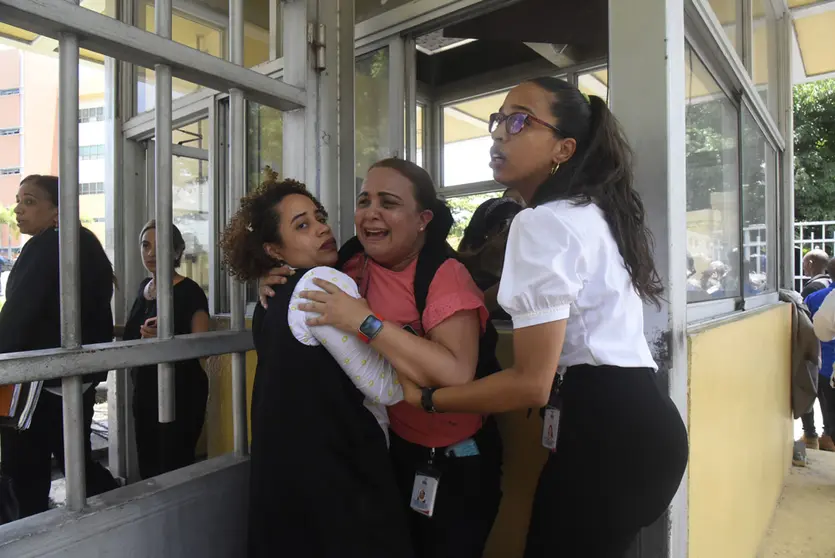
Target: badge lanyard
425 488
551 420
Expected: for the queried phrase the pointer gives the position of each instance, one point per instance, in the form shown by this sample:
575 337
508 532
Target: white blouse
368 370
562 263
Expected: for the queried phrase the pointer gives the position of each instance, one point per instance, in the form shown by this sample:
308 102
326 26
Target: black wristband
426 399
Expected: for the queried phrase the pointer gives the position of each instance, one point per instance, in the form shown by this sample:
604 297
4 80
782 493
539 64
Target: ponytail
600 172
442 221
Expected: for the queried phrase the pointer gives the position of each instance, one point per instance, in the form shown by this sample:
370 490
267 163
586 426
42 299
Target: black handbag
9 506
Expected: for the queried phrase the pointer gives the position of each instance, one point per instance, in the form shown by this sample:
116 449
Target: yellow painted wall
740 432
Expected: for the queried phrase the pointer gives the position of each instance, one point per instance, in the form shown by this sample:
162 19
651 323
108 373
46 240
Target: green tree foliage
462 211
7 217
814 151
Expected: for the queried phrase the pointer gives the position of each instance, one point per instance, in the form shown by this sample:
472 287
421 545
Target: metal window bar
119 40
70 273
165 216
237 187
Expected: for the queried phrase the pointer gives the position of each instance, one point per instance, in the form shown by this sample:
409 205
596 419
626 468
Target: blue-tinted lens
515 123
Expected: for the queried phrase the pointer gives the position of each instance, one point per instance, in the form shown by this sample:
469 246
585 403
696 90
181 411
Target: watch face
371 326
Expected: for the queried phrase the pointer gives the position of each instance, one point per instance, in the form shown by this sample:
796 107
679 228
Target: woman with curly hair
320 478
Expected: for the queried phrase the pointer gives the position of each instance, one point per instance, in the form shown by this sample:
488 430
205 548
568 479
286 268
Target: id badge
424 491
550 428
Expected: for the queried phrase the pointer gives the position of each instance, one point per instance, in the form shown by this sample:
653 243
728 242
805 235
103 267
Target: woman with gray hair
165 447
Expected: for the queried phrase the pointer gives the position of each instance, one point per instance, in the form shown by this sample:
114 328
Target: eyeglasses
515 122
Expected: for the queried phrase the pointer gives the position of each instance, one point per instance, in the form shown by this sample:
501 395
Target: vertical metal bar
70 273
164 216
275 29
135 173
327 109
237 188
114 190
410 88
294 38
649 98
397 94
347 157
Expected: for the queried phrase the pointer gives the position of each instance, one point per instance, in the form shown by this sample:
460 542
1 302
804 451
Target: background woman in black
31 320
165 447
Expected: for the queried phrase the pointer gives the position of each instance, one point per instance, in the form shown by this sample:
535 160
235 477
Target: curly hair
256 223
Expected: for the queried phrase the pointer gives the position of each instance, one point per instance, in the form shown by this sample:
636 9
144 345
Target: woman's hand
411 391
148 330
335 308
276 276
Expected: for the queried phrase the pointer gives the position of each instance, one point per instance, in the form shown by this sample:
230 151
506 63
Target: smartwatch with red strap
370 328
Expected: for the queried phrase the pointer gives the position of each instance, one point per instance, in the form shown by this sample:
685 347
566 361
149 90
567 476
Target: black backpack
429 261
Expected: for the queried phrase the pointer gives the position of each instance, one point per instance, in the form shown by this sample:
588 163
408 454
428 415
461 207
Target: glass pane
467 140
366 9
263 142
192 135
595 83
184 30
758 187
257 32
728 13
712 187
191 215
463 208
371 110
764 53
104 7
419 133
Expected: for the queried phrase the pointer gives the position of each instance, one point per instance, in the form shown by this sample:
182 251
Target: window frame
744 97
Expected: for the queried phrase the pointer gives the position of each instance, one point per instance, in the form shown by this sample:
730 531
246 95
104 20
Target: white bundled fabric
368 370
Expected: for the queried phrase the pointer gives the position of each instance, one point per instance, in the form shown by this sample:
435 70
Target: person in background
31 320
309 423
826 393
577 272
483 245
164 447
815 264
818 266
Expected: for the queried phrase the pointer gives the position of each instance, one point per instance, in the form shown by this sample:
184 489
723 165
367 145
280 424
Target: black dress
30 320
166 447
321 482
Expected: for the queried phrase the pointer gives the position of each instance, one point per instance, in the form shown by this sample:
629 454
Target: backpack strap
348 251
430 260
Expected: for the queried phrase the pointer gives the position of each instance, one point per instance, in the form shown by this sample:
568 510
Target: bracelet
426 399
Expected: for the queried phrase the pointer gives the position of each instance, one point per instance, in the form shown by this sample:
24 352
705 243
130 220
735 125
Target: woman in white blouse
577 270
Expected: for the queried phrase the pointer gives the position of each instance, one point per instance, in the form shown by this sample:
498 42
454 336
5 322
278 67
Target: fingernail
292 272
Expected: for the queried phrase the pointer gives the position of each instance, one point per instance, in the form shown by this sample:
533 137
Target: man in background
814 266
826 394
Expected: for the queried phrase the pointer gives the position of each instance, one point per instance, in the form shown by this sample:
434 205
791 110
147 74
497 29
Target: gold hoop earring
555 168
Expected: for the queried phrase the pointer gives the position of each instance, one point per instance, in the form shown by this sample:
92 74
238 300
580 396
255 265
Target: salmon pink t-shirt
391 294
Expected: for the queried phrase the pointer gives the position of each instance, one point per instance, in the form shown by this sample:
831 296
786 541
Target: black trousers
620 457
826 398
166 447
467 500
27 455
